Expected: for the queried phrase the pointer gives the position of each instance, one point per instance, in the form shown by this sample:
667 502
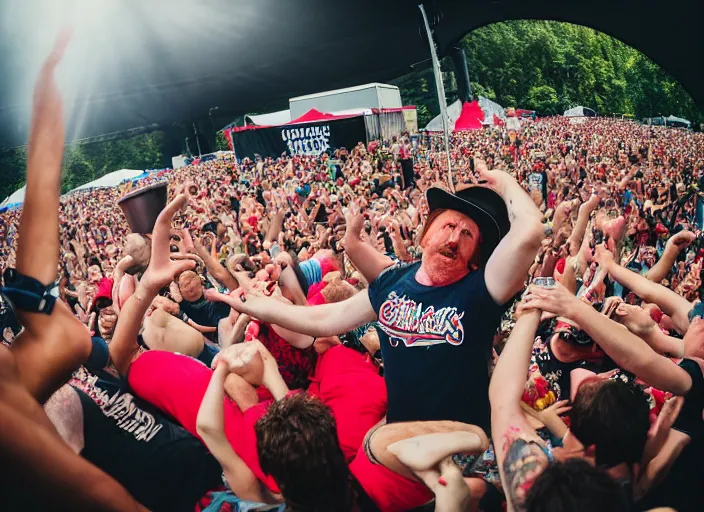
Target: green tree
85 162
13 167
543 99
552 66
89 161
221 143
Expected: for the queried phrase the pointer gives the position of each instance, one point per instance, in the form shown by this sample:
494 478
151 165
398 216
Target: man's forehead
458 217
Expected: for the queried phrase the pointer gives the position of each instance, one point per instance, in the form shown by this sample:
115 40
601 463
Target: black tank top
161 464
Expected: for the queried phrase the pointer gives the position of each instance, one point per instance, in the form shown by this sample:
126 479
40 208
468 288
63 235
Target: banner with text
311 139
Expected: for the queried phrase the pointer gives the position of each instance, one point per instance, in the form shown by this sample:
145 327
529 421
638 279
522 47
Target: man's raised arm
41 468
39 251
364 257
159 273
669 302
509 377
518 448
508 266
54 345
626 349
324 320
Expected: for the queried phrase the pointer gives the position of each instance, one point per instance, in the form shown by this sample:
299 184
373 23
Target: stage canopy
147 64
470 118
453 113
492 111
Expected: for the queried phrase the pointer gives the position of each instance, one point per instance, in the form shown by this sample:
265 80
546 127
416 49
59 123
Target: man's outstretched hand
38 250
452 493
162 269
557 300
354 220
46 93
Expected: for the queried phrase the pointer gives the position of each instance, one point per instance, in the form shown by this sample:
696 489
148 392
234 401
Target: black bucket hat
483 206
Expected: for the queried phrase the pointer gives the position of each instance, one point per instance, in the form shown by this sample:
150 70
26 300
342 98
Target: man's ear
476 260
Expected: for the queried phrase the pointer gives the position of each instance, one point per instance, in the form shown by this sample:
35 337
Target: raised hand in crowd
159 274
53 344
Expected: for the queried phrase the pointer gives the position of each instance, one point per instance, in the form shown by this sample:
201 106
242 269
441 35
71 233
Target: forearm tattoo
523 463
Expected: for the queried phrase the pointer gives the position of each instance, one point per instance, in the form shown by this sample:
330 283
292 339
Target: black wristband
26 293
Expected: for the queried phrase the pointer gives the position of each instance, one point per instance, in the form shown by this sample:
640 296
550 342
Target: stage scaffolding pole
441 96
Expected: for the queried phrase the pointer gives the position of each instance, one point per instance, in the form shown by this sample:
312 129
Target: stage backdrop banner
301 139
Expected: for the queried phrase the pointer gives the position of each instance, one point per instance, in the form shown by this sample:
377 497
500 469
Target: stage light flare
119 48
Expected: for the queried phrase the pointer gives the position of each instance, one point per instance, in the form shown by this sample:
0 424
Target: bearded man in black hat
438 315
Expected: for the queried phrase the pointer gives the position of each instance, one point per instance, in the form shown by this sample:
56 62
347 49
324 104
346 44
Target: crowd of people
521 331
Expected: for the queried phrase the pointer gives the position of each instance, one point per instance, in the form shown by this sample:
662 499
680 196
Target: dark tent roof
149 63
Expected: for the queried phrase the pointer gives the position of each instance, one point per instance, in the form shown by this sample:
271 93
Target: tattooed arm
519 452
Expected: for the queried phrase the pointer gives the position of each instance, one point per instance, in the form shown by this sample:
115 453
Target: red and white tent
472 115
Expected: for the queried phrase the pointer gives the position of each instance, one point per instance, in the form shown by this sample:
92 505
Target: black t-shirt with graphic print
437 345
160 463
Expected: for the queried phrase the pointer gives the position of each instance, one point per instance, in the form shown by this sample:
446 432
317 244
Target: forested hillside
549 67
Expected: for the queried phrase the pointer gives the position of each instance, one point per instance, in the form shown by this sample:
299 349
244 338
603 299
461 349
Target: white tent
453 114
16 198
110 180
673 119
353 112
513 123
271 119
491 109
579 112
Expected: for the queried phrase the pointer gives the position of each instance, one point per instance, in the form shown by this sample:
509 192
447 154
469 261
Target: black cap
483 206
